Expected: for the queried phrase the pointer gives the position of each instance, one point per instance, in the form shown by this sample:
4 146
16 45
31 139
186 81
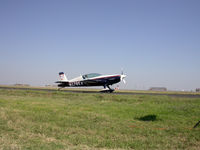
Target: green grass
59 120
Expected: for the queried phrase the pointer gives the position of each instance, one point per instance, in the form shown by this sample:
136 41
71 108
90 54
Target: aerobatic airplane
92 79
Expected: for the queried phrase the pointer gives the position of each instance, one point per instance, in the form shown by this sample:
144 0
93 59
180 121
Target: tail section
63 76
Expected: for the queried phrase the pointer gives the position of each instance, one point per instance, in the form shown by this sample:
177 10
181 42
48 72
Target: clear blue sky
156 42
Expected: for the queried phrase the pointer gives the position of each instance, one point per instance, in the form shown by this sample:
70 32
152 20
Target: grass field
60 120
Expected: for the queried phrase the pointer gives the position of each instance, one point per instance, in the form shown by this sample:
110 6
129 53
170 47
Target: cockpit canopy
91 75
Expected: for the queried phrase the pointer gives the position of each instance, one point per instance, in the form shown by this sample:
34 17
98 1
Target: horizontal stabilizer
62 82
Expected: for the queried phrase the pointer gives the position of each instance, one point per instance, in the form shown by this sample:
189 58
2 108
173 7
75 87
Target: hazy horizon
157 43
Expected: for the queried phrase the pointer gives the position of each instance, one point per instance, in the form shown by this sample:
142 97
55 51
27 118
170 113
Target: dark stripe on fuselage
102 81
105 77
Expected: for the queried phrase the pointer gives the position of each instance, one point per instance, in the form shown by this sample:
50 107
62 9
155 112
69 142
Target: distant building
197 89
158 89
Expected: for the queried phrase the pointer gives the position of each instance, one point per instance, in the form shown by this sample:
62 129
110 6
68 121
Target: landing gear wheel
107 90
59 89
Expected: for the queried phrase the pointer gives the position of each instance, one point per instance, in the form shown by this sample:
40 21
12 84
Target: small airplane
92 79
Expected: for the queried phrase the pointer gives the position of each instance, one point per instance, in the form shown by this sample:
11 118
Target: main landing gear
107 90
59 88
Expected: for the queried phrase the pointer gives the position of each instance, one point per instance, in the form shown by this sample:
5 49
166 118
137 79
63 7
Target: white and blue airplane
92 79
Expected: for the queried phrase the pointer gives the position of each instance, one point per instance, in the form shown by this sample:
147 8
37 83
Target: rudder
63 76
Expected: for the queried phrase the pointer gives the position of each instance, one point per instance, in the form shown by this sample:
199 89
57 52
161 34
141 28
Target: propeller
122 78
122 72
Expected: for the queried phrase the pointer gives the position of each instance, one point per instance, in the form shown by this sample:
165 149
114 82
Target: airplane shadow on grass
148 118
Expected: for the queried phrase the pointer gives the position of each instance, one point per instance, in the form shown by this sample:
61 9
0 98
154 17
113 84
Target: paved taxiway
114 93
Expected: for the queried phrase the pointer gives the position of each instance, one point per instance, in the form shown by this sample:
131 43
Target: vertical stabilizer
63 76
